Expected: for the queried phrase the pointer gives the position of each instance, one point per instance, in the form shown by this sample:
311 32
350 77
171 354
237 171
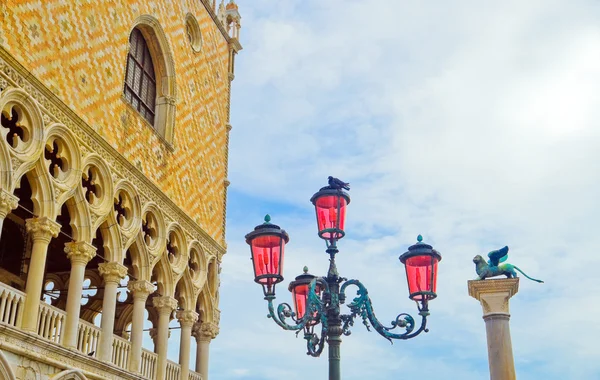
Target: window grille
140 81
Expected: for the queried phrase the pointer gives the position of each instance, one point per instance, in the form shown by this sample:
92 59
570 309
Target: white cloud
475 124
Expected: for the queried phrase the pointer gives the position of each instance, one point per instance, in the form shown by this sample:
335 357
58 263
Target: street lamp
317 300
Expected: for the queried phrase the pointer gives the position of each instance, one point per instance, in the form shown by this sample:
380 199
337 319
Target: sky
475 124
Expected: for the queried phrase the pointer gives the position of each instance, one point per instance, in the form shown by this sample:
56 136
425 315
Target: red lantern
330 207
421 262
300 288
267 243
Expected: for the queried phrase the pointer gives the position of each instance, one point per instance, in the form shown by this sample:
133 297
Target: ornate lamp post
317 300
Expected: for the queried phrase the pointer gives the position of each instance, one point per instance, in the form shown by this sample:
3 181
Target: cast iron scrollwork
362 306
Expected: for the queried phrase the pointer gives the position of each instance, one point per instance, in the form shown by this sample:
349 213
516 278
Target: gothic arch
185 292
5 168
42 192
6 371
71 374
164 277
164 65
113 250
79 215
142 268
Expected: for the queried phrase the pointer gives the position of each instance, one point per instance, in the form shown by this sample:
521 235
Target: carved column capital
8 202
205 331
165 304
494 294
112 272
42 228
187 317
80 252
140 289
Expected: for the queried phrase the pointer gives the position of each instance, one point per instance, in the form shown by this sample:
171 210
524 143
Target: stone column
204 332
80 253
42 230
8 202
164 306
494 296
186 319
113 273
140 290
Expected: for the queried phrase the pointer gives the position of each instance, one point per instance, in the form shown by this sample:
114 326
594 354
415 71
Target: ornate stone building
113 185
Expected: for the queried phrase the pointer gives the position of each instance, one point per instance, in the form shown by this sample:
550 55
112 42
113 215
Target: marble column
204 332
80 253
494 296
186 319
8 202
140 290
113 273
41 230
164 306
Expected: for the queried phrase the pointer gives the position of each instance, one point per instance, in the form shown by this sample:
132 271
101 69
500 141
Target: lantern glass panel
300 297
421 272
268 253
328 216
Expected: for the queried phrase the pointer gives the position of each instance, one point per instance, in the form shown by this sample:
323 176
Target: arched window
140 79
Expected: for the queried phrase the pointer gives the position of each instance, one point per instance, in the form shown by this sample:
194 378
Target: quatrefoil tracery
12 120
122 208
91 184
150 229
57 161
173 248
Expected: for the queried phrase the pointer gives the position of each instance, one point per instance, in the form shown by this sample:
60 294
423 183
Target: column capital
42 228
205 331
140 289
164 304
112 271
494 294
8 202
80 252
186 317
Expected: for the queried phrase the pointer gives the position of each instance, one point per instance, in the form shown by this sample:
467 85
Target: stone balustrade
120 353
88 336
149 360
51 321
11 305
173 371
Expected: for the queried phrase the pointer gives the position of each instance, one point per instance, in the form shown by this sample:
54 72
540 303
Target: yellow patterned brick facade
78 49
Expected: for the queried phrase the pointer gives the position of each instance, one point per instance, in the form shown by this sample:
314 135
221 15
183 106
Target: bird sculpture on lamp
493 266
338 184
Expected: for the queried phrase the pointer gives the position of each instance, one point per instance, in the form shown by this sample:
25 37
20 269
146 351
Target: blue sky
472 123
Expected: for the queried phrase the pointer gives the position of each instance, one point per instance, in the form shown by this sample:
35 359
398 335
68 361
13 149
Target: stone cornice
53 108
